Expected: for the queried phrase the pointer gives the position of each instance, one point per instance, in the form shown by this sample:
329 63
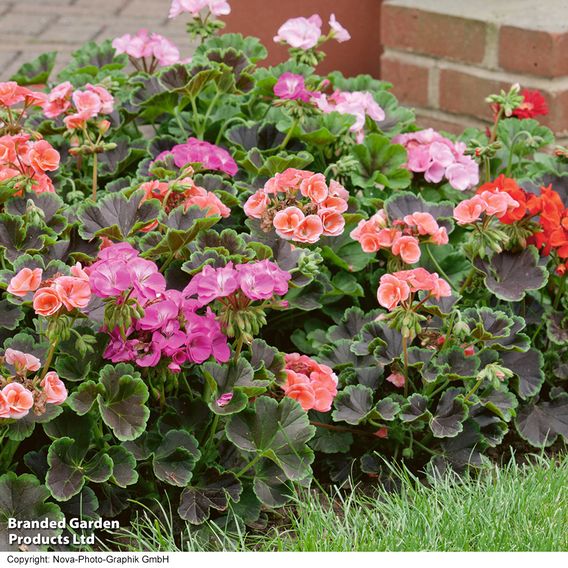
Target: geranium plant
220 279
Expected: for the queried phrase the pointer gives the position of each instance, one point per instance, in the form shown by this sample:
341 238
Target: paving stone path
31 27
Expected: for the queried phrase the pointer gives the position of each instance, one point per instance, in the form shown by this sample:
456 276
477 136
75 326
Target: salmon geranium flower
47 302
392 291
27 280
18 399
54 388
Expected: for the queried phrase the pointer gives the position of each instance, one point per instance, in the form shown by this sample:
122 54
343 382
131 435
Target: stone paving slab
31 27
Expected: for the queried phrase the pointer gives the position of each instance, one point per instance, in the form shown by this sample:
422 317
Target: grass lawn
514 508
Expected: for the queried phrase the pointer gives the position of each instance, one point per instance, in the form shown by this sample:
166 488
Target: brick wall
445 56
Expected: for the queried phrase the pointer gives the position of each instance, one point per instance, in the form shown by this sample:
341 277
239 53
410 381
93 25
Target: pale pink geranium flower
193 7
136 46
164 50
339 33
105 98
18 398
54 388
87 102
21 361
27 280
301 33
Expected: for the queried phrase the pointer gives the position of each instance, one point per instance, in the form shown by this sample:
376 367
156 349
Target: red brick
464 93
410 82
533 52
557 119
440 35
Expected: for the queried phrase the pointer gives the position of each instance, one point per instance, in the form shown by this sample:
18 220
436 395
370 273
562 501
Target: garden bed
223 283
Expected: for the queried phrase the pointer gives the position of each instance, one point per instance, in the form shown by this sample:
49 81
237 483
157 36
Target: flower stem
439 268
48 360
289 135
405 358
250 464
95 174
472 391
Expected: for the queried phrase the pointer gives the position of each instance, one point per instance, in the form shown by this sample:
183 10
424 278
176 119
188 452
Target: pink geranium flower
194 7
22 362
338 32
291 86
302 33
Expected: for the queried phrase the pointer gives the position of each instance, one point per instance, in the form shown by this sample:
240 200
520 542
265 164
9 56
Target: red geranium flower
534 104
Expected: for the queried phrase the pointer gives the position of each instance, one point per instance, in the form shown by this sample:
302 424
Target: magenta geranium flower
210 156
291 86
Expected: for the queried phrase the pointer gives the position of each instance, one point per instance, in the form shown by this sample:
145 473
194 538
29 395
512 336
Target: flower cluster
313 385
300 205
553 221
526 202
236 288
534 104
147 51
79 106
20 393
359 104
255 281
184 192
11 95
69 292
210 156
24 163
491 202
436 157
306 33
401 237
194 7
400 287
166 325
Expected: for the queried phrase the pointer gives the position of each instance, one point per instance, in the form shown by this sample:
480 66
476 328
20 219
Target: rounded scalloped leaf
69 468
122 403
23 498
278 431
540 424
353 404
451 412
214 491
511 275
